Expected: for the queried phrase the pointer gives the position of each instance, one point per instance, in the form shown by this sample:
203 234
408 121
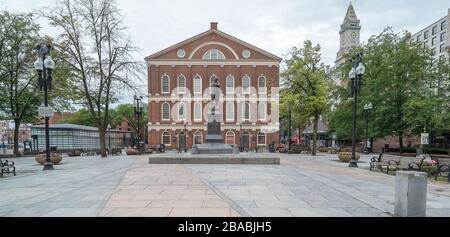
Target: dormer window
214 54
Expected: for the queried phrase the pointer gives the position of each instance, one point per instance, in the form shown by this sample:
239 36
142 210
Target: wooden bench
7 167
299 149
443 165
383 161
406 163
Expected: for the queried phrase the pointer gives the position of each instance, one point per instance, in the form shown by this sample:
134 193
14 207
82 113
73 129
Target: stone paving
128 186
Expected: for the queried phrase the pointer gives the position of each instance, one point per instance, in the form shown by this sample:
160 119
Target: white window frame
209 55
264 113
199 78
243 111
181 89
196 134
262 90
182 105
162 111
265 139
230 90
170 138
230 117
244 90
198 119
162 84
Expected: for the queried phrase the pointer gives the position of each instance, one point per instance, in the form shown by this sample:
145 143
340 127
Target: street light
355 75
185 138
290 127
367 109
109 138
240 137
44 66
138 106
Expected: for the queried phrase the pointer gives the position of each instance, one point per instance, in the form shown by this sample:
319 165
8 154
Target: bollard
410 194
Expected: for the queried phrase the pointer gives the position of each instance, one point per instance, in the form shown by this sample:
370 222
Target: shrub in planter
347 156
430 170
132 152
55 157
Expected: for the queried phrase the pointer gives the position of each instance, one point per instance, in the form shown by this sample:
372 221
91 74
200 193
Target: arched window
214 54
261 138
198 138
198 111
165 84
262 86
165 111
181 111
181 84
230 85
262 111
246 111
230 111
230 138
197 85
166 139
246 85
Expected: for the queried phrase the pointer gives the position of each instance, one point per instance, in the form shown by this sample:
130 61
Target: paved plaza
302 186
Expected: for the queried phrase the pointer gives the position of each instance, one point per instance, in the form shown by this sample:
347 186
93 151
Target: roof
321 128
67 126
212 31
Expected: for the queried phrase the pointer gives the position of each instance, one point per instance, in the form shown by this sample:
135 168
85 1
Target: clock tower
350 34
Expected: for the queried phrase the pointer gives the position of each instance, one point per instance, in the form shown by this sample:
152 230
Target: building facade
179 80
435 36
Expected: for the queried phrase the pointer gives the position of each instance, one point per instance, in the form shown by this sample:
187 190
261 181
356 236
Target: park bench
296 149
406 163
116 151
7 167
382 161
443 165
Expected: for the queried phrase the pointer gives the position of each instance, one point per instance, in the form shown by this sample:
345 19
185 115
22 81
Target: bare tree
99 53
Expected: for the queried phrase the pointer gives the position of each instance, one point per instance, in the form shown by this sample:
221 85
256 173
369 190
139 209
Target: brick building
179 80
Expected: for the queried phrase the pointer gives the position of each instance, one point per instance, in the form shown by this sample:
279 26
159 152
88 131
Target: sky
275 26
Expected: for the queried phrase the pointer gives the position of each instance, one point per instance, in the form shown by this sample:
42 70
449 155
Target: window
165 84
419 38
230 111
198 138
198 112
230 85
246 111
425 35
262 111
197 85
434 30
213 54
443 37
182 111
444 25
165 111
166 139
246 85
261 138
230 138
433 41
181 84
262 89
433 51
442 48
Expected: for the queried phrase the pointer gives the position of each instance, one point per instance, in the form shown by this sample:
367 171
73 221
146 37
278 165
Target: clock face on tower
353 35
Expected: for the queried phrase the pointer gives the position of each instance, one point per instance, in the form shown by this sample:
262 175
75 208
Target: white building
435 36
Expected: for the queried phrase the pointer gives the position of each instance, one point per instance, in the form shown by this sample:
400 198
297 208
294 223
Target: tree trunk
316 122
102 134
16 137
400 140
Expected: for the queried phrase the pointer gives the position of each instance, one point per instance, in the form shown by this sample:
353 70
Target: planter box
56 158
347 156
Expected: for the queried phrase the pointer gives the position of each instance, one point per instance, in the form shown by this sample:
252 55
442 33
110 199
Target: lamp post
240 137
109 138
290 127
138 113
44 66
355 75
367 109
185 138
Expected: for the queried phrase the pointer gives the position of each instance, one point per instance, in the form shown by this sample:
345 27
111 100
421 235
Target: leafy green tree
81 117
307 83
18 37
125 112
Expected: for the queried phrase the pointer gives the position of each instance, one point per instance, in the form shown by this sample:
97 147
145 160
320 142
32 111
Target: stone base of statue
214 142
